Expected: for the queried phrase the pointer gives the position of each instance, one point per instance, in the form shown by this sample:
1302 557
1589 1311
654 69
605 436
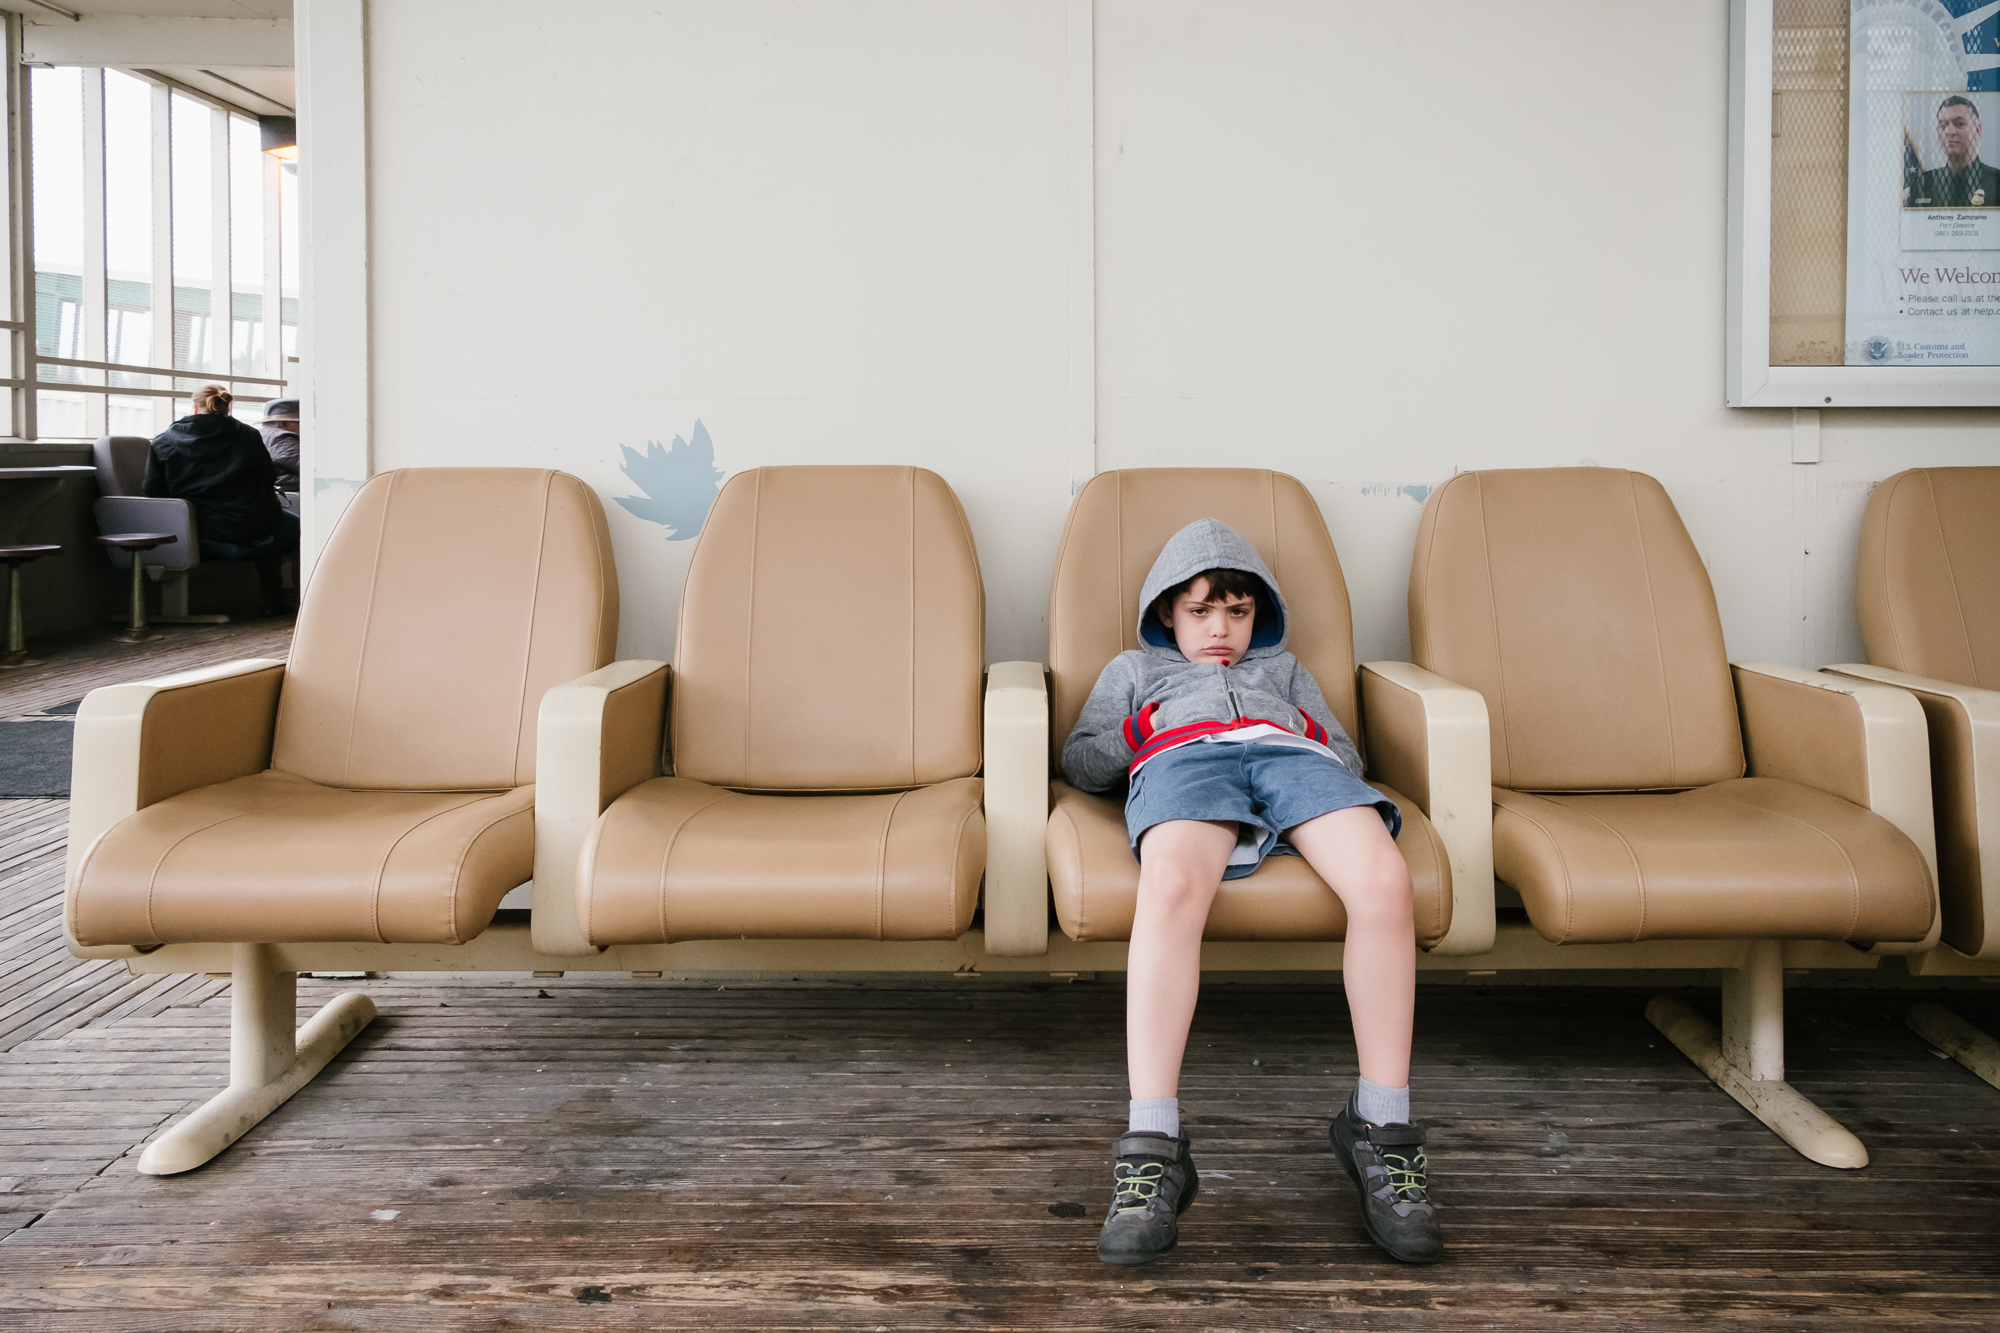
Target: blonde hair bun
212 398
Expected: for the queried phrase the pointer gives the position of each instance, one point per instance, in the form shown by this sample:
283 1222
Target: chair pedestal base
268 1061
174 603
1746 1058
1957 1038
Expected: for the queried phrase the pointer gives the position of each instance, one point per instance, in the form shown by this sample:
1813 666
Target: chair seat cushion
675 859
1096 881
273 858
1748 858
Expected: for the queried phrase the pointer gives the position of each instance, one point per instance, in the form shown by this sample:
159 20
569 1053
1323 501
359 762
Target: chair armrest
1964 723
1862 742
596 738
1429 739
138 744
1017 810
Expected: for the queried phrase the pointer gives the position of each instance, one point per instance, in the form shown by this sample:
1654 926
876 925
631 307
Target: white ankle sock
1162 1115
1379 1105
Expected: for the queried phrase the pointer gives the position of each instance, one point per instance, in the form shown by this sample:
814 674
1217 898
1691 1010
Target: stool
17 642
136 542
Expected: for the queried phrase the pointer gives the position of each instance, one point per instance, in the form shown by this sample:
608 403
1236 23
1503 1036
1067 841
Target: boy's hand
1139 727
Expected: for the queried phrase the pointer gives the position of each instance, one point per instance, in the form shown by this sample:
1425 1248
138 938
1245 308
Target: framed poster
1864 209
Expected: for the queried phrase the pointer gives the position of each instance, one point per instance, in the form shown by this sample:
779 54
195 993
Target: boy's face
1211 630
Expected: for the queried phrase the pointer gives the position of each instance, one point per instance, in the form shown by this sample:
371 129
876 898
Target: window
162 245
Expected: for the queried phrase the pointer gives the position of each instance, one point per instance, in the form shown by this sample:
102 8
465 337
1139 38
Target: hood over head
1205 544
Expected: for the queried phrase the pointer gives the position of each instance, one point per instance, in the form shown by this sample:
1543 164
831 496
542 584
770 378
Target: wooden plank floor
72 665
630 1154
609 1153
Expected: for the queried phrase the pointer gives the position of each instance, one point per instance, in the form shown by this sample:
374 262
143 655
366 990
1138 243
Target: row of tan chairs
830 777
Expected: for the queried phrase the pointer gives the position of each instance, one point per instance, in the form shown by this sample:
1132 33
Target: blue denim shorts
1266 789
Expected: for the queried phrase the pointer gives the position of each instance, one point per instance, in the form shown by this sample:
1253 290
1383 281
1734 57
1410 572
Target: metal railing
36 359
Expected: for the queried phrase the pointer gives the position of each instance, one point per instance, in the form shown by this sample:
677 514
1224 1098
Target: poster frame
1750 380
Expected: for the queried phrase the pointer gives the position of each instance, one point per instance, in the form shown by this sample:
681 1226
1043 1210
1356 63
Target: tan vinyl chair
1927 591
823 746
377 789
1426 738
1647 790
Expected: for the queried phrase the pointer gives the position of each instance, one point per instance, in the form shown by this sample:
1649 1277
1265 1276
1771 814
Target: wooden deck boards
72 665
917 1156
598 1152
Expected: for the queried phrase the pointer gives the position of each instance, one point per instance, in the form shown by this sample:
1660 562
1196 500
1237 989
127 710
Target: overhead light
280 135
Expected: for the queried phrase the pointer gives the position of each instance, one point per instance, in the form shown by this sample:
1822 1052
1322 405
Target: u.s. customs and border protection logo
1877 349
1979 198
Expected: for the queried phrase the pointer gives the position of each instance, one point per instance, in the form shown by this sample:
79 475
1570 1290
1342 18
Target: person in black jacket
220 466
280 430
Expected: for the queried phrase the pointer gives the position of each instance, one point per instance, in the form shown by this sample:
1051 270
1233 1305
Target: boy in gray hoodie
1232 755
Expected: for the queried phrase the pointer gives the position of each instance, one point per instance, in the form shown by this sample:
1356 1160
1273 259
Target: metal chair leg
1747 1057
135 632
17 638
268 1059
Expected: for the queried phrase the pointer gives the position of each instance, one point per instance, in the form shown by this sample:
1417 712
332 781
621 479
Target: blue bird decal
679 483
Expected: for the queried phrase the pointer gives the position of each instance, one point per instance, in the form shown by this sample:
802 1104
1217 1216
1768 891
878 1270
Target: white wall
830 232
1366 244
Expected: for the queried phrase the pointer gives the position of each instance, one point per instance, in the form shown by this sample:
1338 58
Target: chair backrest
1574 601
1117 525
1927 574
445 604
832 634
121 463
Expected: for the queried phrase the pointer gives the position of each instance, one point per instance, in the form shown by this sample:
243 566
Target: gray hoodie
1196 698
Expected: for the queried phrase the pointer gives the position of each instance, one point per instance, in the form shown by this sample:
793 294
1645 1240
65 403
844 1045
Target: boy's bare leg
1353 852
1180 866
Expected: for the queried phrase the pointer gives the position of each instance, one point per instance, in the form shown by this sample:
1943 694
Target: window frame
97 373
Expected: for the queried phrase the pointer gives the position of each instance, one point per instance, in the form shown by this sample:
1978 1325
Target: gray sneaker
1156 1182
1387 1163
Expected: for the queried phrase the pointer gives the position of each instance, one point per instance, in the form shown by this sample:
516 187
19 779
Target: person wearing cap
280 429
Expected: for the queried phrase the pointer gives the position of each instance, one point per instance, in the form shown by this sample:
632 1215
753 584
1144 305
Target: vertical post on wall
1811 582
221 283
336 426
21 234
163 250
96 289
1082 83
272 304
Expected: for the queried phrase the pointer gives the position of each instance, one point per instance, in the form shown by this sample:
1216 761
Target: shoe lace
1141 1184
1406 1177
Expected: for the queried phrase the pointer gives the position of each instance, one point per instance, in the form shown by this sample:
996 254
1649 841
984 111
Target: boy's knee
1172 880
1173 872
1382 889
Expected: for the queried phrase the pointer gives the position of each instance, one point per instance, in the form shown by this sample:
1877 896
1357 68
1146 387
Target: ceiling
123 33
262 92
179 9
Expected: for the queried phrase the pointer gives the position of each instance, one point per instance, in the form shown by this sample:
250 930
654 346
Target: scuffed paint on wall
679 483
1389 490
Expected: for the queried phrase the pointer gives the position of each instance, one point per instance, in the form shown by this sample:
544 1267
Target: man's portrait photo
1960 180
